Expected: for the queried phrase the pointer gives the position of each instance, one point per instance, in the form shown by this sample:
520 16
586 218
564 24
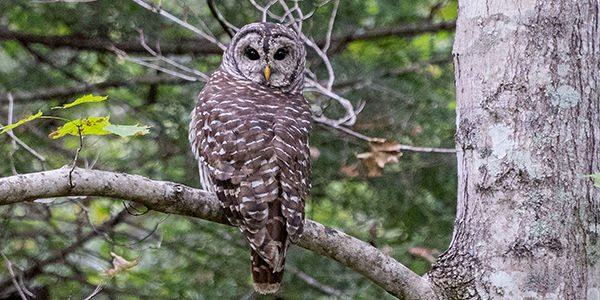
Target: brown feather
251 141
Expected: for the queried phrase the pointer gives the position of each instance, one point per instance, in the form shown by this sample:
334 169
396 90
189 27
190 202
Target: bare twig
124 55
315 283
13 143
264 9
180 22
42 59
95 292
227 27
68 91
350 117
203 77
15 139
13 277
25 146
400 146
79 130
330 27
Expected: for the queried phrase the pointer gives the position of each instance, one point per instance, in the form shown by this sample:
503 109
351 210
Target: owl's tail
265 279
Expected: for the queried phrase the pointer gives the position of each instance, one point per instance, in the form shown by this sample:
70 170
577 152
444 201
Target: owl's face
268 54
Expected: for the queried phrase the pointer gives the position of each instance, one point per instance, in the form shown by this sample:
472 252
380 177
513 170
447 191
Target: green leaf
127 130
89 126
596 179
9 127
84 99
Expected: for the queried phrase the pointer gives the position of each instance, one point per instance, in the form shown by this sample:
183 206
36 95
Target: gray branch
69 91
173 198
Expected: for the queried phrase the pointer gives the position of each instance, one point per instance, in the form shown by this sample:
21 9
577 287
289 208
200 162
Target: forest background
391 60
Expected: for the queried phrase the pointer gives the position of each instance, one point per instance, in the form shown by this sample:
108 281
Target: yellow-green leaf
91 125
84 99
128 130
12 126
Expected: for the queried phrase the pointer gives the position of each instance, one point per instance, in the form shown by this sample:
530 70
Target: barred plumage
250 134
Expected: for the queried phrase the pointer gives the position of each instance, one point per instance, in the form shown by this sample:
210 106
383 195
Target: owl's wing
233 144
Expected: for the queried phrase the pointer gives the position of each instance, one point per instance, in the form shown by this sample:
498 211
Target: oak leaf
383 152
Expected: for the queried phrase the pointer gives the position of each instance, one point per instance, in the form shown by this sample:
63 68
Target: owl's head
268 54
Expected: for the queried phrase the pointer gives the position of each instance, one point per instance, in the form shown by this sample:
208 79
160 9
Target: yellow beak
267 72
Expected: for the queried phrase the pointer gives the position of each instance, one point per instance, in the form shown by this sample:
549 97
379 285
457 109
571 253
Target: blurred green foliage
411 205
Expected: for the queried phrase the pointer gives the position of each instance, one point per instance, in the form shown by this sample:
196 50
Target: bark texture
528 130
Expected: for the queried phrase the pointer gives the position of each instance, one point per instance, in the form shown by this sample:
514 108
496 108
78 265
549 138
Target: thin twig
79 129
224 24
315 283
14 138
124 55
169 61
300 19
350 117
13 277
330 27
137 211
22 284
149 234
372 139
13 143
264 10
42 59
180 22
86 211
95 292
25 146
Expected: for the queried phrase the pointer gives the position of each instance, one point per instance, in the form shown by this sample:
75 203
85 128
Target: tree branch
404 30
79 42
173 198
68 91
201 47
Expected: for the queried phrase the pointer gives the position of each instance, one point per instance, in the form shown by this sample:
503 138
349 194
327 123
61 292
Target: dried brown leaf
119 265
383 152
350 170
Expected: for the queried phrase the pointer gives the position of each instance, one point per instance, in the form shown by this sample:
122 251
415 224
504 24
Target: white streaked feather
205 179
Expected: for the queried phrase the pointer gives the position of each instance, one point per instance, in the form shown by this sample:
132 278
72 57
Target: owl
249 132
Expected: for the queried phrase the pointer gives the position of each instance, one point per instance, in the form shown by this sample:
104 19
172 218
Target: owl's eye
251 54
280 54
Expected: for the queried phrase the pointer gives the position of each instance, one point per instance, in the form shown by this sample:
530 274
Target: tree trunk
528 130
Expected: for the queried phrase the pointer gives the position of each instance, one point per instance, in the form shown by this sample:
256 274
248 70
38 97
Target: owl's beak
267 72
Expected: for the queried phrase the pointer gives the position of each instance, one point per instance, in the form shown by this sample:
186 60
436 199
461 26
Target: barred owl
249 132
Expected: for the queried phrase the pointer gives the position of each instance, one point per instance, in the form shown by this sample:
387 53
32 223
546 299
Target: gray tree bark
528 130
173 198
